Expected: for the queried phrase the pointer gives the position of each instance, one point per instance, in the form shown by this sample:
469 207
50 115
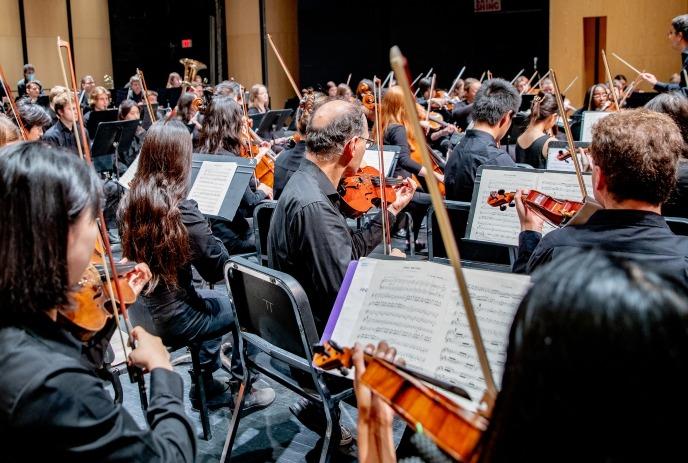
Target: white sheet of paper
589 119
128 176
211 185
555 164
371 158
493 225
415 307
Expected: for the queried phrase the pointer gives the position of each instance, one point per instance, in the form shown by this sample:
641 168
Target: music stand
98 117
639 99
145 117
170 96
257 118
118 135
271 121
526 101
238 185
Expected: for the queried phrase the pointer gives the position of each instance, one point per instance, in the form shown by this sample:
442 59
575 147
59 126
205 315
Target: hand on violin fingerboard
530 221
404 195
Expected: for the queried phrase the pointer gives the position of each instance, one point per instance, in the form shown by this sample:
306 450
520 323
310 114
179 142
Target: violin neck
121 268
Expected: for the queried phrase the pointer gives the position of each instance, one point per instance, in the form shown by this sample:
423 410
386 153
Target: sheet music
589 119
128 176
493 225
211 185
555 164
416 307
371 158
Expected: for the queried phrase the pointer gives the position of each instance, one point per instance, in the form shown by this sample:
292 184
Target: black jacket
395 134
60 135
286 164
641 236
666 87
54 408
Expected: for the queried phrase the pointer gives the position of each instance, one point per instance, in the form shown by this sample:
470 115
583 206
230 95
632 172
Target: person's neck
67 124
538 127
632 204
487 128
332 170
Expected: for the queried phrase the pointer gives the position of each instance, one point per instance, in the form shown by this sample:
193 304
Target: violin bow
537 84
568 87
630 66
145 95
135 374
386 229
284 67
517 76
348 80
427 113
451 89
530 81
13 106
609 79
482 77
569 136
387 79
398 62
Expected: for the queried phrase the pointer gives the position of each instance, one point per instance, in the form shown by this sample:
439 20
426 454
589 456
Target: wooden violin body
556 212
456 430
360 192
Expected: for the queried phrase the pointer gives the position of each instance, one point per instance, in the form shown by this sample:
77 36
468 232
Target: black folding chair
274 317
489 256
678 225
262 215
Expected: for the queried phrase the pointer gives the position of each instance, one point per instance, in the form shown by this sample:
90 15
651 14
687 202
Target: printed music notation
490 224
211 185
415 307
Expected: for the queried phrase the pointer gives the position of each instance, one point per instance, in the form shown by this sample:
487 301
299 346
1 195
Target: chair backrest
262 215
139 315
470 250
271 305
678 225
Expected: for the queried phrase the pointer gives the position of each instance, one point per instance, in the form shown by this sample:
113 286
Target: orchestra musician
29 76
533 143
98 100
522 85
258 100
678 36
61 133
174 80
221 133
675 105
135 91
495 104
591 332
631 183
47 388
162 228
34 89
34 118
462 113
87 85
9 132
129 111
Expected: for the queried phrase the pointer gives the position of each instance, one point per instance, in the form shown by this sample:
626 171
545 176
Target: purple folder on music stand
339 302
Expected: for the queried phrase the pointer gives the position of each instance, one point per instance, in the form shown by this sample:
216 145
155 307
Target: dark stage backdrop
354 36
148 34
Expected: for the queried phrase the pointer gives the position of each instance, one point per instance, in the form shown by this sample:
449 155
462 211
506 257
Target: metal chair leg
236 416
200 388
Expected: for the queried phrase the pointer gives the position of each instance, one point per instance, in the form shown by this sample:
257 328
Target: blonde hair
9 133
95 93
253 94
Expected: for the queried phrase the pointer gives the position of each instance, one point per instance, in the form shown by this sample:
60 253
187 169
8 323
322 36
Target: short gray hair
495 98
327 140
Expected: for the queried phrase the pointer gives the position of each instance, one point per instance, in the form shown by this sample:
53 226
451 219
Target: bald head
332 125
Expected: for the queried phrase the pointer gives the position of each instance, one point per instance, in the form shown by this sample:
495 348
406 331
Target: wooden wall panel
91 30
10 41
45 20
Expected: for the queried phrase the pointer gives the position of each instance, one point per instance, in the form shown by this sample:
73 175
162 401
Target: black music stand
98 117
257 118
638 99
272 121
110 138
170 96
238 185
526 101
146 121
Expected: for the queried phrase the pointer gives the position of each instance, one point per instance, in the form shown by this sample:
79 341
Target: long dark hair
43 191
150 219
221 126
595 346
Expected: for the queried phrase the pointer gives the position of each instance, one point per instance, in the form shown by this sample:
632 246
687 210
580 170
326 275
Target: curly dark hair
637 151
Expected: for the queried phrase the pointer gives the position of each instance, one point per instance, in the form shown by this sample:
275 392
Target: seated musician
98 100
678 36
29 76
595 334
631 182
61 134
9 133
424 92
675 105
34 118
135 91
87 85
222 134
162 228
56 90
129 111
47 389
522 85
34 89
533 143
495 104
462 113
290 159
258 100
174 80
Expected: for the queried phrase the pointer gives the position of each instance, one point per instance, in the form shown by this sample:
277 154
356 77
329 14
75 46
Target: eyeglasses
368 142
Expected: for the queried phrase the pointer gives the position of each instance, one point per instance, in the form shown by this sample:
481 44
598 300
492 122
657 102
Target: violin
265 168
456 430
556 212
436 166
361 191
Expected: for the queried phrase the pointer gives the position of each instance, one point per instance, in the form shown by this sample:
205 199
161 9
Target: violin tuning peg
512 204
344 371
335 346
502 207
319 349
500 192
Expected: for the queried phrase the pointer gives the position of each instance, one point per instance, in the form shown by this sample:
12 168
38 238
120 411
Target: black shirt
310 240
395 134
677 204
476 149
666 87
54 408
286 164
532 155
60 135
638 235
462 114
208 256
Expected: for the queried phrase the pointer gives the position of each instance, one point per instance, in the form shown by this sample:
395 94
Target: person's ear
348 152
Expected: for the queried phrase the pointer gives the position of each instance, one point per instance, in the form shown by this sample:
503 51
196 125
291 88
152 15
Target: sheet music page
211 185
371 158
415 307
490 223
563 185
128 176
555 164
589 119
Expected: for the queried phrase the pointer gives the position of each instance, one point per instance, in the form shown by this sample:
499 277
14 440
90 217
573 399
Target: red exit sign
186 43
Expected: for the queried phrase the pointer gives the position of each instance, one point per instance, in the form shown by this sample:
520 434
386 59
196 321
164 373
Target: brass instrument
191 68
108 83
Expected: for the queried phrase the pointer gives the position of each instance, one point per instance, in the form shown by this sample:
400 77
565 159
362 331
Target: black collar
50 333
321 179
622 217
482 136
